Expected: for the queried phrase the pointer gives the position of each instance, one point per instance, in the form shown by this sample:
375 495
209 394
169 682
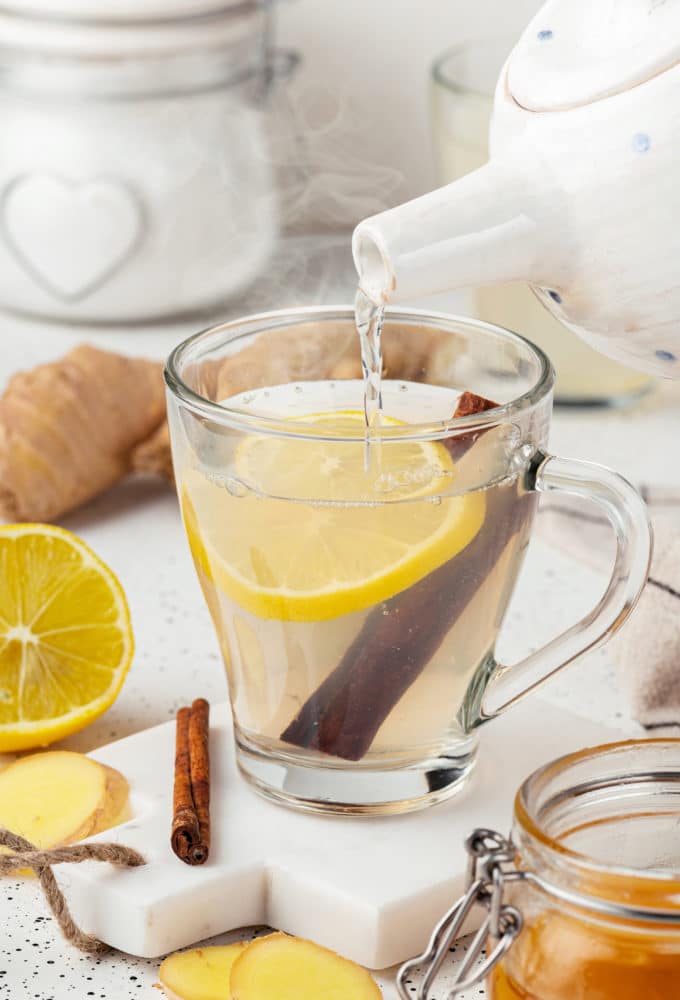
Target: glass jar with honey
583 902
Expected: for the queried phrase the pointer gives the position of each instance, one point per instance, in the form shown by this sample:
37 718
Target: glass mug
358 588
462 87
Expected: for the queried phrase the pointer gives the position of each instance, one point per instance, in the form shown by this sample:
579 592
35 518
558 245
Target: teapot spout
488 227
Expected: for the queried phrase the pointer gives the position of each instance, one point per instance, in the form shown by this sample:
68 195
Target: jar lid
116 11
111 28
577 51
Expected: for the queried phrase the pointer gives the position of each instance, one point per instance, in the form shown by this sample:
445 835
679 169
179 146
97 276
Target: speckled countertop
136 529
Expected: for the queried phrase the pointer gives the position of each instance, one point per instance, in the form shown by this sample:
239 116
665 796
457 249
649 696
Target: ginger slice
60 797
116 808
280 967
200 974
68 429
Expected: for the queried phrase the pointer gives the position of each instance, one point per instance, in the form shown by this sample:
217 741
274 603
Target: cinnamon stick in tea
401 635
190 834
468 404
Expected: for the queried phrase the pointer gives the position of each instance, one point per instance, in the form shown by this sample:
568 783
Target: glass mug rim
452 82
216 336
532 805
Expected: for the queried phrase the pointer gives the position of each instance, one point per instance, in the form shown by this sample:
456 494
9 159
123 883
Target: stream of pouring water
368 316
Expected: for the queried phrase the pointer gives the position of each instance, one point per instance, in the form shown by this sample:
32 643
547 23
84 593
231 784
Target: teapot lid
577 51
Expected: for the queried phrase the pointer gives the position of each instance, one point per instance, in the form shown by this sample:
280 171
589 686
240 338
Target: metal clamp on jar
136 180
584 900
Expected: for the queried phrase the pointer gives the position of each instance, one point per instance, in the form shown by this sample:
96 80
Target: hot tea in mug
358 575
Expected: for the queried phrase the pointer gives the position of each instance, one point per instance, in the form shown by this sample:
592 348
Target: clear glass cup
357 588
463 83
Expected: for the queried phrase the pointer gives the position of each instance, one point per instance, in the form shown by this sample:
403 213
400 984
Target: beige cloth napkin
647 648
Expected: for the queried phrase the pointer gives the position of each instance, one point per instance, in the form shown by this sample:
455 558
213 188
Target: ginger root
154 455
68 429
287 355
72 428
200 974
280 967
59 797
275 967
330 351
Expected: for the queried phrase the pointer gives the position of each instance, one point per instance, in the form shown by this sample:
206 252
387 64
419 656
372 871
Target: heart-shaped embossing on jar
71 237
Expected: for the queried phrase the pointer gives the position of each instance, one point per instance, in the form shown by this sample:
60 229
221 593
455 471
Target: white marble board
369 888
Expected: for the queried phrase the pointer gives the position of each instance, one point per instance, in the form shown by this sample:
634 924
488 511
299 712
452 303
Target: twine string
26 855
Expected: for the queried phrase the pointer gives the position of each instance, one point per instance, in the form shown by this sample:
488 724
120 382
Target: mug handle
627 514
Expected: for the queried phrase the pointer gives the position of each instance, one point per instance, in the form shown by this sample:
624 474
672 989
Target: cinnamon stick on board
401 635
199 728
190 835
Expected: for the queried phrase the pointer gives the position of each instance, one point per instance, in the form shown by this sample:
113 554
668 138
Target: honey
600 826
560 957
584 899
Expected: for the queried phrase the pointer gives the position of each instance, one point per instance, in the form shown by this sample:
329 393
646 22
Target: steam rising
324 186
332 185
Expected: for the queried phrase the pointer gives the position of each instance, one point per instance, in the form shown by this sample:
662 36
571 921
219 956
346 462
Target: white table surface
136 529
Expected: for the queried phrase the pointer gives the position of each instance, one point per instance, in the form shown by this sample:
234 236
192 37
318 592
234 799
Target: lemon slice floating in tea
317 535
65 635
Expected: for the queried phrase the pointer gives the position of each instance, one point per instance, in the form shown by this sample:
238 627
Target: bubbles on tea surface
407 478
406 402
384 483
235 487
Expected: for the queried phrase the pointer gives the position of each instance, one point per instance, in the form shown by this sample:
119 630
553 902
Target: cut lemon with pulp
65 635
309 534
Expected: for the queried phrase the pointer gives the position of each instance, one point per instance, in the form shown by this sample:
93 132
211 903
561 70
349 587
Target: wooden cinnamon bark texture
190 832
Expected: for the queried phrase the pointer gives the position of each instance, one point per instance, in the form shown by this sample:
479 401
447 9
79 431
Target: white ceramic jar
136 181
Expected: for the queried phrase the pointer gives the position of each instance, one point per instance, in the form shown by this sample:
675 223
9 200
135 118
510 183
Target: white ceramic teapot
581 196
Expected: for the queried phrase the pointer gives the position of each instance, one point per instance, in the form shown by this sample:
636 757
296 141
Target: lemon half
314 535
65 635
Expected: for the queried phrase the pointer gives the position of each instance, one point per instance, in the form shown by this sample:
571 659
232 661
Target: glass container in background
136 175
463 83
